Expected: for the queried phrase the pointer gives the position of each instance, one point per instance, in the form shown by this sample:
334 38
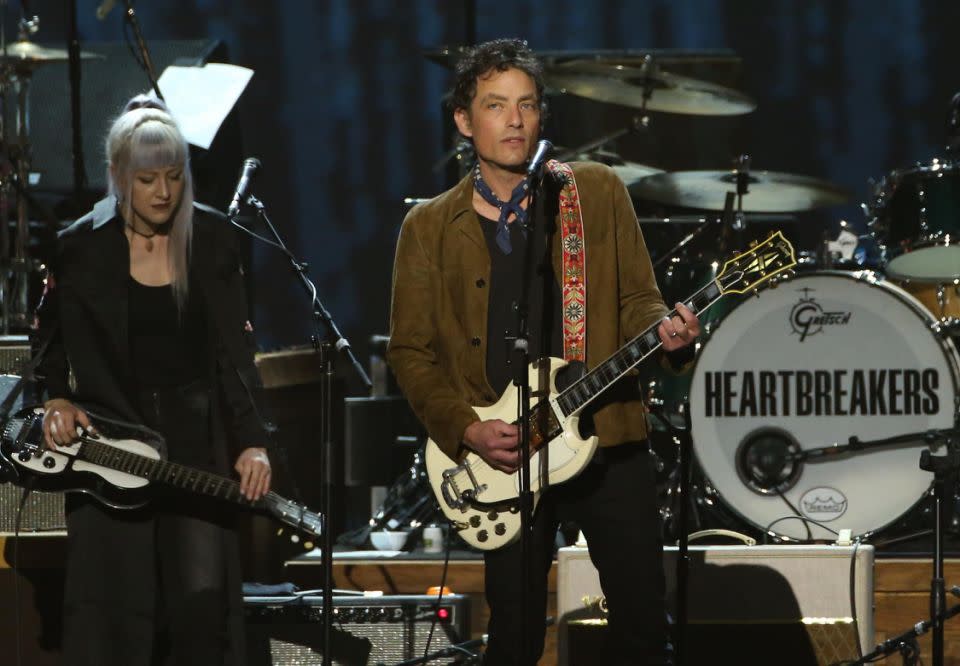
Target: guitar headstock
764 262
296 516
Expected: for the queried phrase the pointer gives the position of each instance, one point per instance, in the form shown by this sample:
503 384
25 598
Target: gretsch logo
808 318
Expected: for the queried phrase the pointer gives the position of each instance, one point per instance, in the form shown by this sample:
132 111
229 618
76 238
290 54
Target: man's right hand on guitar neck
60 420
496 442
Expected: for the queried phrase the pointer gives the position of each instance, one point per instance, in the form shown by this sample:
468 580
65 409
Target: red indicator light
443 614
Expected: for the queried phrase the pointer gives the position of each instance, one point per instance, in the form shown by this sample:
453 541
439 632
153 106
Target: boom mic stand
324 348
131 17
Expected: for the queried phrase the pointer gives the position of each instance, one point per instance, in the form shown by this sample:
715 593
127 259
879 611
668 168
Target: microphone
539 157
105 8
250 167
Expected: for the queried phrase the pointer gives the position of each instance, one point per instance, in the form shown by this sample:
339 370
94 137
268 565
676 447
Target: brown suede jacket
438 320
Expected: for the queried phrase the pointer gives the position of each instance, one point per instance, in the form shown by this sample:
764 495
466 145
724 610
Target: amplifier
14 353
742 599
288 630
43 512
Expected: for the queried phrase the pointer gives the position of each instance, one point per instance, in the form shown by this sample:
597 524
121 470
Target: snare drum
917 215
820 359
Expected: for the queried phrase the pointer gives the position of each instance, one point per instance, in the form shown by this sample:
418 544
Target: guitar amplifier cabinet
43 512
783 604
367 630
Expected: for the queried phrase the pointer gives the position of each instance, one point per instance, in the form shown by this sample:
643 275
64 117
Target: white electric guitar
116 470
482 502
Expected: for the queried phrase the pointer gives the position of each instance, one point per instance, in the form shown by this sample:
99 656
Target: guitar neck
162 471
584 390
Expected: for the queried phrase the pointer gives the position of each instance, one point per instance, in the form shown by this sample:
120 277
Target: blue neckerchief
505 207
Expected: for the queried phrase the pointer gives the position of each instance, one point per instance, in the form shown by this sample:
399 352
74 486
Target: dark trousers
614 502
159 585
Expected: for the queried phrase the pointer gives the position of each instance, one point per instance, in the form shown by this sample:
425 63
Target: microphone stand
131 16
520 358
324 349
684 456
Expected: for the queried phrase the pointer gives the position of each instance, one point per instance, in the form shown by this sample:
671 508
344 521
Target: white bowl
384 540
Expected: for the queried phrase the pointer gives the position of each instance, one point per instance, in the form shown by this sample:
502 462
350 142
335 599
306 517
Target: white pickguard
561 459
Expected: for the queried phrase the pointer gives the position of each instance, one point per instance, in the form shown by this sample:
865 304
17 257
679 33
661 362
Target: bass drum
820 359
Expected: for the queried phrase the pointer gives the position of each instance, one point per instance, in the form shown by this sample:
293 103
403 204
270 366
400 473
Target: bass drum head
820 359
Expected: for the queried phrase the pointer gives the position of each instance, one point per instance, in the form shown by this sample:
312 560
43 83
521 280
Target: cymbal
24 53
647 88
631 172
768 191
449 55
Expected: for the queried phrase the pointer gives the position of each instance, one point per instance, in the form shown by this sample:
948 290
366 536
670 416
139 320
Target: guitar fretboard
180 476
588 387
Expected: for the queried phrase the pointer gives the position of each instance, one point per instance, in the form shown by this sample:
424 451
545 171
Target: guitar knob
23 456
500 529
49 462
474 521
492 515
482 536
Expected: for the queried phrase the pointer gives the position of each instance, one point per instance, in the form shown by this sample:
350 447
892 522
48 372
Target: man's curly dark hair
497 55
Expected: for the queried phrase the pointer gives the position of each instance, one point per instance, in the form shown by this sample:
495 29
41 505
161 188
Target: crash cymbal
449 55
647 87
768 191
632 172
26 54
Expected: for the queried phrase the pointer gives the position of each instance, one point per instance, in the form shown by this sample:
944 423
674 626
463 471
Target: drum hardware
945 469
637 124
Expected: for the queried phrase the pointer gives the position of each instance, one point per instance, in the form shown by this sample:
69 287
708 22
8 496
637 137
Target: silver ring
674 334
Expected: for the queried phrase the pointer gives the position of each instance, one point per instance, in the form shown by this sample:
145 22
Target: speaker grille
43 512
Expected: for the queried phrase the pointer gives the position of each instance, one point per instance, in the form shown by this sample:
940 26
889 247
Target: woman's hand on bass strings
60 421
253 466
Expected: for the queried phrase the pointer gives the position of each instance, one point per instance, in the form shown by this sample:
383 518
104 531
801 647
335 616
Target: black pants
614 502
159 585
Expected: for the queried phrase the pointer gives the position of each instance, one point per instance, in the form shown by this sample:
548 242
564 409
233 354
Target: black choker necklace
148 237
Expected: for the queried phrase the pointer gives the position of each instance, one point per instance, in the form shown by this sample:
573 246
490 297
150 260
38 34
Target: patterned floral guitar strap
573 265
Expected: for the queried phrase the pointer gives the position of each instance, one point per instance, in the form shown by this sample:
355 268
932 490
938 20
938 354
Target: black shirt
544 322
167 349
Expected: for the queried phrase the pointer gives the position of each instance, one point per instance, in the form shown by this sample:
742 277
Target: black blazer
84 313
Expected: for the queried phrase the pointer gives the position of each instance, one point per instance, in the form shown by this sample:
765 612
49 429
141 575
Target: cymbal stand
637 123
743 187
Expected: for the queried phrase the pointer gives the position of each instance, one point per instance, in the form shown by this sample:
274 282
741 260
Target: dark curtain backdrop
345 112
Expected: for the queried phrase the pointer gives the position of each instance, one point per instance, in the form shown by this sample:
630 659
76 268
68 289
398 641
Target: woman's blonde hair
149 138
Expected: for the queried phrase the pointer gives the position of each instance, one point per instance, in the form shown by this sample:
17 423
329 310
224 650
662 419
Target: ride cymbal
767 192
647 87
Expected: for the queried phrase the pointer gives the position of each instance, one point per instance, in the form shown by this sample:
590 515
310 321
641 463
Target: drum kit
18 270
854 355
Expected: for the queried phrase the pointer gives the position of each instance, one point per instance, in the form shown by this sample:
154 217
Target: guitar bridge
451 489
